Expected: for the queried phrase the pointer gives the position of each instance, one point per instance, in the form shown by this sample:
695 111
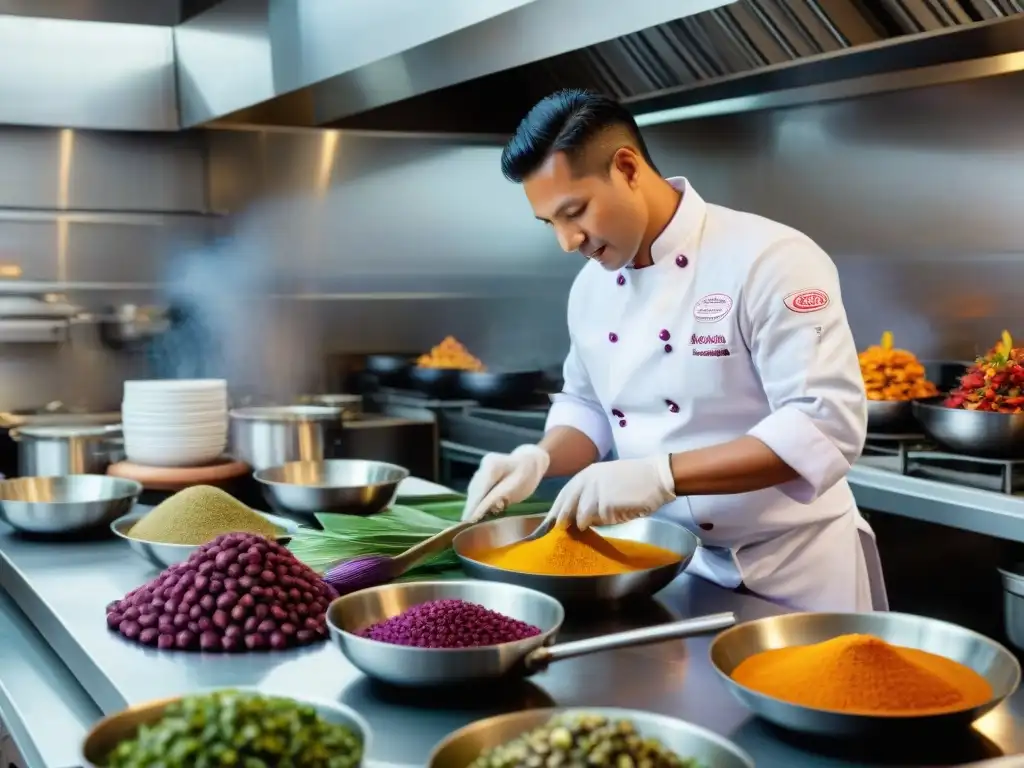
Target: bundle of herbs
347 537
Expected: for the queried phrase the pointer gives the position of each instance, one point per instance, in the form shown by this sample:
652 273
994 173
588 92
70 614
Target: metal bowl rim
134 493
359 720
931 403
286 414
134 517
462 556
531 593
405 473
869 715
623 712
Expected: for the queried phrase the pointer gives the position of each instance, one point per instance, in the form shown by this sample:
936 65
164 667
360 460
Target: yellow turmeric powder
571 552
863 674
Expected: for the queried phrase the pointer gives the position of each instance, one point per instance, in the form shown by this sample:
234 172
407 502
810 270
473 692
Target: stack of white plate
175 422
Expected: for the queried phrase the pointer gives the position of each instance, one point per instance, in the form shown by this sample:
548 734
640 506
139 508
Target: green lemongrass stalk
389 533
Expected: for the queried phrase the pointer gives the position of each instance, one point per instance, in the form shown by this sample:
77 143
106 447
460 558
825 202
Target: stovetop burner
917 456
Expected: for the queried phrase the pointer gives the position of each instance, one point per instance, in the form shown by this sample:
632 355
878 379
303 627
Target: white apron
737 328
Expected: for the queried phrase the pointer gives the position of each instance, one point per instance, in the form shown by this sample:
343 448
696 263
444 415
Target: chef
710 348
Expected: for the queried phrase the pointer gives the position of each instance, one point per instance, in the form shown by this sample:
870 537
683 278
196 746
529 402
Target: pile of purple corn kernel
449 624
240 592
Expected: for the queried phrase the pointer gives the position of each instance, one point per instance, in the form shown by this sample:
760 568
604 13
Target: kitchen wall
917 195
96 217
390 243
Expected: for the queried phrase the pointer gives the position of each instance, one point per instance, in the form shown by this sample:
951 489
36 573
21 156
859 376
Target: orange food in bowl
450 354
893 374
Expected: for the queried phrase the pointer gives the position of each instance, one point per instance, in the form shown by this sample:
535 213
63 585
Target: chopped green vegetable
584 740
389 533
233 728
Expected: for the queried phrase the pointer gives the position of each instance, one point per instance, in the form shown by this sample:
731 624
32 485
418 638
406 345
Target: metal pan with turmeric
571 552
863 674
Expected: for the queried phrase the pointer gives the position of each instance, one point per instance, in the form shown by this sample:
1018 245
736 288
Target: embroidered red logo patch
712 307
806 300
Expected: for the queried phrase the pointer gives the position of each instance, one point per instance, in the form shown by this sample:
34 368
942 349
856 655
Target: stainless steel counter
63 589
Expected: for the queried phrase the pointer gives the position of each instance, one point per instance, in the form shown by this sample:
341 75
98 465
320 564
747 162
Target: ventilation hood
751 54
473 66
312 62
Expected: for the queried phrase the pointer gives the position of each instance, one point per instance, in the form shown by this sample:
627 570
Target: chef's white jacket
738 328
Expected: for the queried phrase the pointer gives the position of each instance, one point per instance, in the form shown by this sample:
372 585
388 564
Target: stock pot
53 451
270 436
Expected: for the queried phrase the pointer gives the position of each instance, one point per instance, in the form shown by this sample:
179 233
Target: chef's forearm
739 466
570 451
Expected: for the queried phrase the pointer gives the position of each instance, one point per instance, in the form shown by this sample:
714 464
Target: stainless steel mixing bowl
497 533
461 748
986 657
123 725
975 433
346 486
165 555
68 504
446 667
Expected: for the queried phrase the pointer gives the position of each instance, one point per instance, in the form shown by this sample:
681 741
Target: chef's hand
504 479
614 492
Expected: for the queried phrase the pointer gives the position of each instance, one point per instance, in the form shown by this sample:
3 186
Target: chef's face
600 213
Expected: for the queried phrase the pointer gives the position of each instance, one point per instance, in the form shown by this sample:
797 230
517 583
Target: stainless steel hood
472 67
311 62
751 54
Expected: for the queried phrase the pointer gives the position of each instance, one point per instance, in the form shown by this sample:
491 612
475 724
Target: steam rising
235 324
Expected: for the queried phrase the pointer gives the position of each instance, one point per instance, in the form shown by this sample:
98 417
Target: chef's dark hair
566 121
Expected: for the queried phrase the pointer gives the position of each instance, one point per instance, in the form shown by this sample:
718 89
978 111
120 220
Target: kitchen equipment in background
436 382
175 422
344 486
891 416
270 436
1013 604
51 451
985 656
220 473
492 534
975 433
129 326
350 405
390 370
685 739
442 668
49 306
124 725
165 555
499 388
64 505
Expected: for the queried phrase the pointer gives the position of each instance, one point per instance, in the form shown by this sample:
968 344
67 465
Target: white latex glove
614 492
504 479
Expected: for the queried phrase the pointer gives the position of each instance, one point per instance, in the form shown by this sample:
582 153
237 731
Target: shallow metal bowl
405 666
498 533
67 504
975 433
345 486
986 657
165 555
461 748
123 725
890 415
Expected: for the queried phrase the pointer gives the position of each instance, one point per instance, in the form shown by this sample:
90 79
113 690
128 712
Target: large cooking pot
52 451
269 436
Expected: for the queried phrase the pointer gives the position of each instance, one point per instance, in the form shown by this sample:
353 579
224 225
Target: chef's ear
628 162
